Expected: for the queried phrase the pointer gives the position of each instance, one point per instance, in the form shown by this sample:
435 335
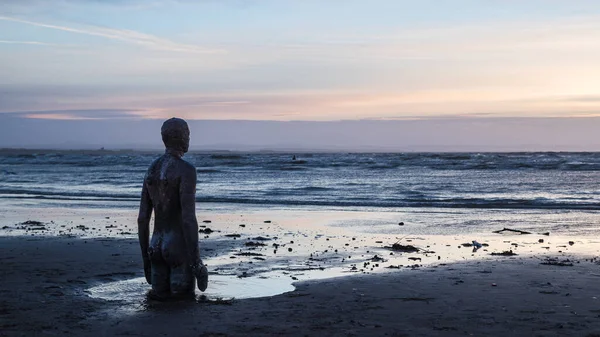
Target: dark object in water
205 230
511 230
233 235
401 224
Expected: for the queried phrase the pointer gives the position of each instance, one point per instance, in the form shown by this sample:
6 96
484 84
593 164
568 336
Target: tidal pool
225 287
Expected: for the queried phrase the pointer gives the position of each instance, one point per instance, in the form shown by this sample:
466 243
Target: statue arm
144 228
187 194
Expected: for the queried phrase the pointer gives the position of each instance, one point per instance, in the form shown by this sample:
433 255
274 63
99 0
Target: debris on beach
415 299
206 221
233 235
505 253
205 230
249 254
556 262
261 238
32 223
217 301
254 244
403 248
510 230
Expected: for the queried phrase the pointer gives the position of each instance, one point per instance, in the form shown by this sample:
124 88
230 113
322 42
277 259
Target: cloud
89 114
124 35
32 43
582 99
287 105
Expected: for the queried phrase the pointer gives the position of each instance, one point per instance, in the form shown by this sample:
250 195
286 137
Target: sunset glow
445 65
270 60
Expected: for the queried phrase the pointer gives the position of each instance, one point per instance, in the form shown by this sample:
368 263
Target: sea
550 190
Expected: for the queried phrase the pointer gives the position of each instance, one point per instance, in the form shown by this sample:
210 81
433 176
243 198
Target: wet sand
346 283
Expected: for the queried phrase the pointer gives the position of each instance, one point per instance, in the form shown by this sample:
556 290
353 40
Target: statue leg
182 281
160 272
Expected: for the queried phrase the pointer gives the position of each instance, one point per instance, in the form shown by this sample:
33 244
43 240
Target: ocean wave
39 194
391 161
292 168
304 198
471 180
410 203
206 170
226 156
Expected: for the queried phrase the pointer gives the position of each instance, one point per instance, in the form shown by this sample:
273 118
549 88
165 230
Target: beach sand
346 283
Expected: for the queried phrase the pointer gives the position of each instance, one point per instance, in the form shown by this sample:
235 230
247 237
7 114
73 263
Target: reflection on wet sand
132 293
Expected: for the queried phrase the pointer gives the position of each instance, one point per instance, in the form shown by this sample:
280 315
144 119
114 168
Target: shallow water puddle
133 291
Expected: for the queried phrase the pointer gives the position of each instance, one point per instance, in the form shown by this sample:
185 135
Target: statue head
176 135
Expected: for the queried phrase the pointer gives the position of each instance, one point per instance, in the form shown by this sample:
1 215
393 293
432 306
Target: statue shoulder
187 167
153 168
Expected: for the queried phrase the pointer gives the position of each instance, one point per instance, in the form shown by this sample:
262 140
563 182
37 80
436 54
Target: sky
444 67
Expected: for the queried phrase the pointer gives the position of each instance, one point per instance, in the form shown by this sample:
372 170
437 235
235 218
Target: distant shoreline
264 151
